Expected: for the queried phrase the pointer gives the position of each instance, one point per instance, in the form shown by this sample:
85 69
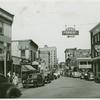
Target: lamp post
5 47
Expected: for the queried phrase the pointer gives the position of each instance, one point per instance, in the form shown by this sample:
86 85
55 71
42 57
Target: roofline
6 12
25 40
70 49
94 27
48 47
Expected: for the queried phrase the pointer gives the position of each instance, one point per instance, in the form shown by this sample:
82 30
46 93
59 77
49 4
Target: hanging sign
97 48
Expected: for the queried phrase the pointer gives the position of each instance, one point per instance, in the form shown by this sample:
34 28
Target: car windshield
3 79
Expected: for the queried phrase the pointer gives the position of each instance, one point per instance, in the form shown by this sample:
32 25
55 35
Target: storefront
16 65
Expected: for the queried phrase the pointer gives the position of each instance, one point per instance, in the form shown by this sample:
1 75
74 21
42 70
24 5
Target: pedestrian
15 79
9 76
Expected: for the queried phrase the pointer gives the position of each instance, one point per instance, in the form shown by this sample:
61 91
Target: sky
44 20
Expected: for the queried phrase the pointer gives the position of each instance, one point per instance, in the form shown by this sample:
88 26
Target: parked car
85 75
81 75
76 74
90 76
7 89
56 75
33 79
47 77
97 78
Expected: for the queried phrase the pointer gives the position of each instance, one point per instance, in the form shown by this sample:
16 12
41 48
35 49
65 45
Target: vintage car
90 76
7 89
76 74
33 79
47 76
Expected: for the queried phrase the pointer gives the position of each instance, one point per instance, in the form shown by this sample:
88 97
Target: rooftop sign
70 32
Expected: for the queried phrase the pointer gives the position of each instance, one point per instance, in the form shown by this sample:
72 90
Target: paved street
64 87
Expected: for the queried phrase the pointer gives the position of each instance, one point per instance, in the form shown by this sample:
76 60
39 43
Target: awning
35 63
28 68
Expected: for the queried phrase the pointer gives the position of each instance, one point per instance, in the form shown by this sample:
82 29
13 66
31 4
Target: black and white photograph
49 49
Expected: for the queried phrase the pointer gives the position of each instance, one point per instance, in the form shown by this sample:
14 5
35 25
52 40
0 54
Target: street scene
49 49
65 88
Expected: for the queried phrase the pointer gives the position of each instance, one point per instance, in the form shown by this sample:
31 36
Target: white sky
43 21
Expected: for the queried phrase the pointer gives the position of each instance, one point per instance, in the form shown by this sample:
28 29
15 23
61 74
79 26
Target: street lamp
5 47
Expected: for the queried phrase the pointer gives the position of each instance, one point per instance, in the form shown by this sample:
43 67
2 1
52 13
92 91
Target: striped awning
28 68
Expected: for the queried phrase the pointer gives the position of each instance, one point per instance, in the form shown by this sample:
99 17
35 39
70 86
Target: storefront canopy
28 68
35 63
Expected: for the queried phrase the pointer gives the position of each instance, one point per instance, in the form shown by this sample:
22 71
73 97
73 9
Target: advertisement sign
70 31
97 48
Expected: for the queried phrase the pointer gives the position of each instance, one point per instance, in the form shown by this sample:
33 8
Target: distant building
80 58
62 65
53 55
45 58
70 57
83 53
6 20
95 48
84 59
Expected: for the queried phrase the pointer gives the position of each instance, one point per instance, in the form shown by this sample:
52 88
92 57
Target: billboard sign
70 32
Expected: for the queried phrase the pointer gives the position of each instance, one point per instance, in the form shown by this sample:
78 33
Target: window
89 62
83 63
95 38
22 53
92 40
1 51
1 28
98 37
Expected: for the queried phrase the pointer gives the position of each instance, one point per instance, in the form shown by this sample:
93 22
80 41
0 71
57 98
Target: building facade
26 49
45 58
70 57
6 20
95 48
53 55
84 59
80 58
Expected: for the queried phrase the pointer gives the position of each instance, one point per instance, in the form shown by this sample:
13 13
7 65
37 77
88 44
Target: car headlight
32 81
23 81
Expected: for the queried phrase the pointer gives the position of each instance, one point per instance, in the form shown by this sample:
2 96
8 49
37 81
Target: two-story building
6 20
23 52
84 59
95 48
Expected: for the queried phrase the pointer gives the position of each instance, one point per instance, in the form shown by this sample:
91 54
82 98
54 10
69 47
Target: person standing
9 77
15 79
